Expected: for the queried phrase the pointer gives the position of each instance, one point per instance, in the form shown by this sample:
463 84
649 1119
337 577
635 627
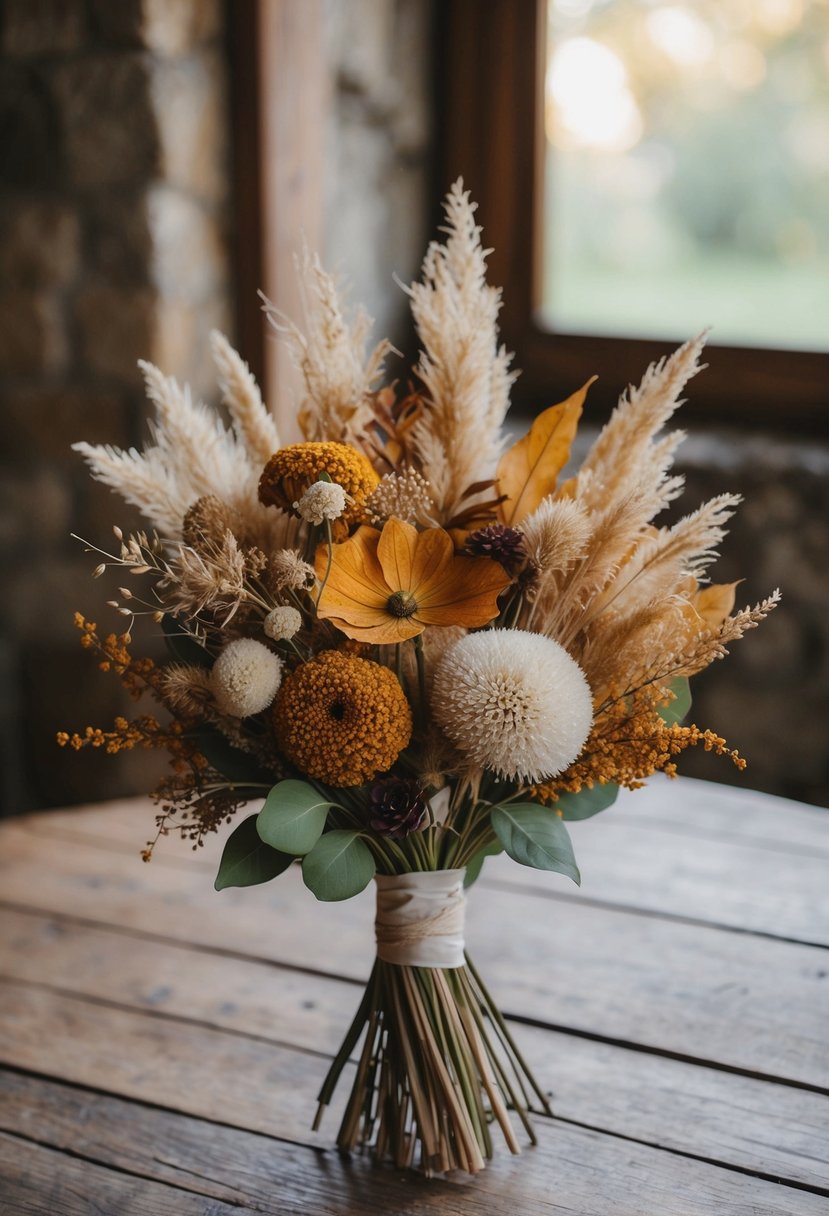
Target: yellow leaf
527 473
715 603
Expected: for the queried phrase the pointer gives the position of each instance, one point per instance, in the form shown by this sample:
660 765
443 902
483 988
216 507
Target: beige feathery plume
193 456
464 370
613 533
664 558
626 452
339 376
254 426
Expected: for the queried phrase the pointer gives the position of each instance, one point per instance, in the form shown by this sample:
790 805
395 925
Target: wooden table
162 1045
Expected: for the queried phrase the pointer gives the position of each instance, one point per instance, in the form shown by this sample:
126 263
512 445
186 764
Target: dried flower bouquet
416 646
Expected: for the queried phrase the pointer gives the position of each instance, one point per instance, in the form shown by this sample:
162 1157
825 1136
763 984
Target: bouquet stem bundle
437 1070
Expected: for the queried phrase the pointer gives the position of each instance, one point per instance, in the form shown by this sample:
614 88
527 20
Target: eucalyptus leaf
183 646
473 866
293 817
587 802
247 860
535 836
680 707
339 865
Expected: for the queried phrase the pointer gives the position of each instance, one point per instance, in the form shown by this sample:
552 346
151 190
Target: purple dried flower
398 806
498 541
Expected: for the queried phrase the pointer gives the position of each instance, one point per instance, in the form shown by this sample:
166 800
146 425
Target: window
580 232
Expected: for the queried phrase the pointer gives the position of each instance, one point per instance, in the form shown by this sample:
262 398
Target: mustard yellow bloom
342 719
386 586
292 470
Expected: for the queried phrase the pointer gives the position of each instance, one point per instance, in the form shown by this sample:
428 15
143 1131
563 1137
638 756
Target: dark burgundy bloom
398 806
504 544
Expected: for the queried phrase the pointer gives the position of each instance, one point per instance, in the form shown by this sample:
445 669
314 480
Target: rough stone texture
41 243
108 125
42 27
113 247
770 697
32 333
380 196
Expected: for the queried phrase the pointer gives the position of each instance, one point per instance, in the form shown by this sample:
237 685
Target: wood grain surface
161 1045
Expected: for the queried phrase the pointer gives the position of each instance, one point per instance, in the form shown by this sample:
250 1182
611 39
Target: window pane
687 170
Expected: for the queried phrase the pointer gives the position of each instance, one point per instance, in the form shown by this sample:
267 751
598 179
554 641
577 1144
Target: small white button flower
513 702
282 623
323 500
245 678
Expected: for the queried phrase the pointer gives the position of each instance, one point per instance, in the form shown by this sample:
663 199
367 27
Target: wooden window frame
494 137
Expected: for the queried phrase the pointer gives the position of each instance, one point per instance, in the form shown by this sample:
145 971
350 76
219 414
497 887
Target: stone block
167 27
41 423
30 133
117 327
173 27
119 241
107 119
35 512
189 253
32 333
42 27
182 343
39 243
189 99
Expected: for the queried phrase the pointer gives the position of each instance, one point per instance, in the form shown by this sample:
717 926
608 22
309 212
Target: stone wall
113 216
770 697
381 194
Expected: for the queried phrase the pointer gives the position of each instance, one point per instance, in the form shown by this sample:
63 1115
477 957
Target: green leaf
183 646
247 860
679 708
237 766
339 865
535 836
587 802
293 817
473 866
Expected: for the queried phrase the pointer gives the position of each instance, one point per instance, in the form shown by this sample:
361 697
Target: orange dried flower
388 586
291 470
342 719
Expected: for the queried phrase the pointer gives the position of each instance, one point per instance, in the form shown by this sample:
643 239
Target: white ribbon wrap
420 918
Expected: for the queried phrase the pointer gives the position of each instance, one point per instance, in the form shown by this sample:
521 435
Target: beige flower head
282 623
245 678
322 500
513 702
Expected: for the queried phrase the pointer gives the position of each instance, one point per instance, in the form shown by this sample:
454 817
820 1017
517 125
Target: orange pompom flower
386 586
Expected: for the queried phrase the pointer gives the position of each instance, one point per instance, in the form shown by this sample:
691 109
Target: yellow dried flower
291 470
342 719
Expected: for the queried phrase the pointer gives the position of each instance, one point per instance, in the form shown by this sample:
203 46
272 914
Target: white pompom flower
513 702
282 623
245 678
322 500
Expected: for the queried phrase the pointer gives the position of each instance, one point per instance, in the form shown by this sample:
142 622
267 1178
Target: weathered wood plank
743 1002
733 884
704 809
716 1115
572 1170
686 806
636 855
38 1181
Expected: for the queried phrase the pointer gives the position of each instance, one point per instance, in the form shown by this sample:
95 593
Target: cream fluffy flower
322 500
282 623
245 678
513 702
